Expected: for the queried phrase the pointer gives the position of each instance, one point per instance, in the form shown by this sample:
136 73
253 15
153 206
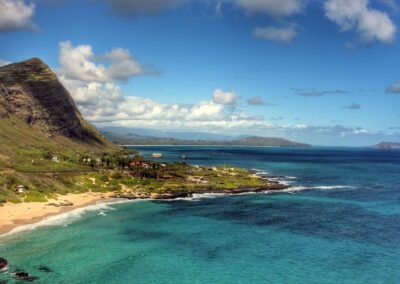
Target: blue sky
323 72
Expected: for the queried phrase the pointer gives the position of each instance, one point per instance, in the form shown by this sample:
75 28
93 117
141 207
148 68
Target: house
157 155
54 158
20 189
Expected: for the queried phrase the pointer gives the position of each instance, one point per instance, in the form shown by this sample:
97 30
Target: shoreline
17 215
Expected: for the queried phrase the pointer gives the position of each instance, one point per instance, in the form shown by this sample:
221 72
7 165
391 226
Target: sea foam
324 187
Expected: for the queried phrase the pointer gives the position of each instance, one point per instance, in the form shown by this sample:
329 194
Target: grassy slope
20 144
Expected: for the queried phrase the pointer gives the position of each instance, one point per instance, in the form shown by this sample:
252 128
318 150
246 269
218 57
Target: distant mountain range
387 145
148 133
134 139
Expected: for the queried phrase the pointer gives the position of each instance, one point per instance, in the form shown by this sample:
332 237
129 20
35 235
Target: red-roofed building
138 164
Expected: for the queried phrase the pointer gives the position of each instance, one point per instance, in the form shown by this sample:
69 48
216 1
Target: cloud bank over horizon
95 90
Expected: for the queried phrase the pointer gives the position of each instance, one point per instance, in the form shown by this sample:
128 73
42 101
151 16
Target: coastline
17 215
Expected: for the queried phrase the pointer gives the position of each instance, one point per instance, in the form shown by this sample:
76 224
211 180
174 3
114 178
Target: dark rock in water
21 275
3 264
45 269
24 276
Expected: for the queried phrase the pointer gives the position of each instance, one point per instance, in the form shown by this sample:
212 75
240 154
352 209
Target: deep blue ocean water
340 223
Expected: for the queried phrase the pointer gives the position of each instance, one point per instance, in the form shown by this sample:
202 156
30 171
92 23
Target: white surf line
324 187
66 218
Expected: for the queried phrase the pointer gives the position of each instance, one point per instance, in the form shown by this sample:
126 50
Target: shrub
116 175
104 178
46 153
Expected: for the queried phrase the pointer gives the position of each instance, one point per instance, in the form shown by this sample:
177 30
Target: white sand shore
16 215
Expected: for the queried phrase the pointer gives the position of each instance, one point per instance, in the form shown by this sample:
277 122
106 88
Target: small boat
183 157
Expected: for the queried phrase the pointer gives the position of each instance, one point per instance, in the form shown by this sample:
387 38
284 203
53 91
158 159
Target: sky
324 72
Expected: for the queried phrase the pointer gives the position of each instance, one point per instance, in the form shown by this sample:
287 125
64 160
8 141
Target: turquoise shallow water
339 224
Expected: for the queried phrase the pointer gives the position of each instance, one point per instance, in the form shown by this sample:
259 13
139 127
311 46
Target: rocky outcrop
3 264
173 194
64 203
24 276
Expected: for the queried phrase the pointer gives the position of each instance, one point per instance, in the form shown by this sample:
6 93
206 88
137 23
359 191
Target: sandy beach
15 215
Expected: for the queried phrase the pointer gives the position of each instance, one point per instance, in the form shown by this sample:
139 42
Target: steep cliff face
30 91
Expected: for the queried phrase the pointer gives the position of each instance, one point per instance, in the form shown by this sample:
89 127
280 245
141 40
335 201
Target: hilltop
133 139
32 93
36 111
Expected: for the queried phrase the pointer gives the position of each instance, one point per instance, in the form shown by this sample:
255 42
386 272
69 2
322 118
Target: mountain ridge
134 139
31 92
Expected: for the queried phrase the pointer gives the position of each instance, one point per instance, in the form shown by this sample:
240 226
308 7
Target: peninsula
52 160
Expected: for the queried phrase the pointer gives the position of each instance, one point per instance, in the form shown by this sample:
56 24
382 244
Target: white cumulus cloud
80 63
225 98
106 102
370 23
16 14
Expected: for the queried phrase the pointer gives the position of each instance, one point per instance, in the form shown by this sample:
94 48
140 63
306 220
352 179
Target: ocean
338 223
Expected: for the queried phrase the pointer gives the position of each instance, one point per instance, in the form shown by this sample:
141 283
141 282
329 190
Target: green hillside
43 137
